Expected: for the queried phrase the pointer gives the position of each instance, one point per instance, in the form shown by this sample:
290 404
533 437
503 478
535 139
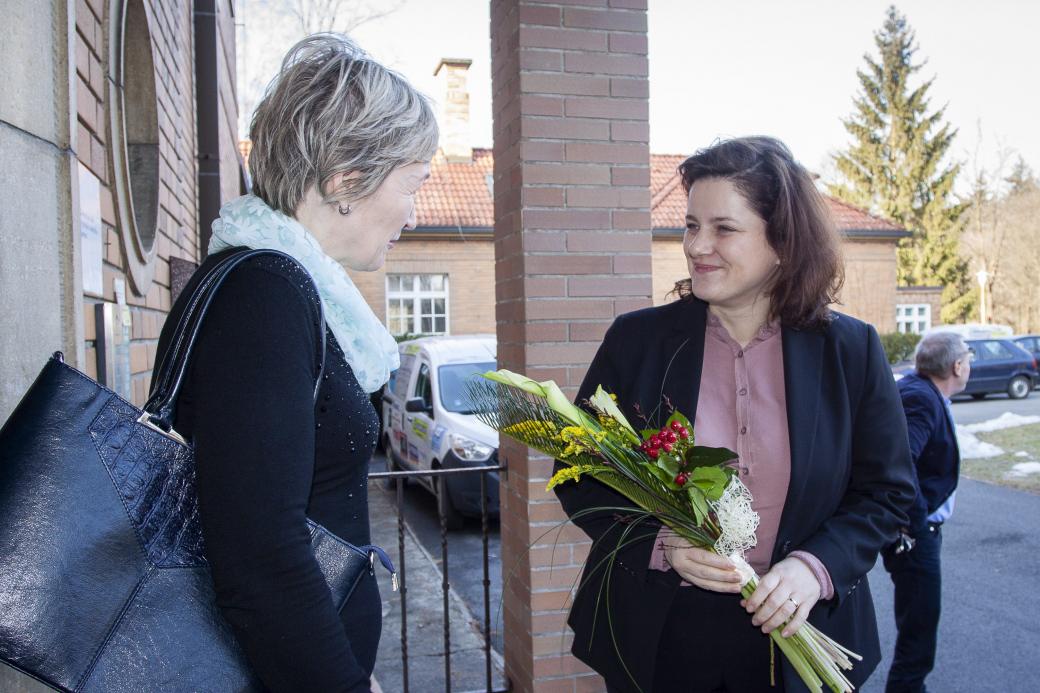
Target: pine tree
1021 179
895 167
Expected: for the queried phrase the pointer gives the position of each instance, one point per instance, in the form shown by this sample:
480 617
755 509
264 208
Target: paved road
967 410
989 635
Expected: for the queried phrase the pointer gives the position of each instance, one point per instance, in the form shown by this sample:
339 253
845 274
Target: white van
427 424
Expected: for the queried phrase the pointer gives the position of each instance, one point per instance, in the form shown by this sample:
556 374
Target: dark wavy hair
799 226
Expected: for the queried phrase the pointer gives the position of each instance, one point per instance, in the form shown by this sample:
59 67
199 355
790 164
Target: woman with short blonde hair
278 412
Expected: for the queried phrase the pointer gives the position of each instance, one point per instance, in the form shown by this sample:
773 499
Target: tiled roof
853 218
459 194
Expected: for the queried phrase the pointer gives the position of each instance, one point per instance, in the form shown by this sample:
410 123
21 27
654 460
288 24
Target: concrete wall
39 264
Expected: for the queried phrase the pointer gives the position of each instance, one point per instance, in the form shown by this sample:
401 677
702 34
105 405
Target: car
902 368
1029 342
1000 365
427 423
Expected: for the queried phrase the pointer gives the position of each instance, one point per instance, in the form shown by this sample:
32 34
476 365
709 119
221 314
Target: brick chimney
455 136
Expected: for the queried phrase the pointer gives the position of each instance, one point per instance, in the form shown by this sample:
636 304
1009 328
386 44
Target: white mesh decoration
736 518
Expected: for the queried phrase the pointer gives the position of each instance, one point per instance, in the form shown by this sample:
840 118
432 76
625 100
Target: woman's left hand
788 591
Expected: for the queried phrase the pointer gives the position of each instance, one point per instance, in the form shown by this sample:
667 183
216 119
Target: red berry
664 432
681 479
676 426
685 433
668 447
652 452
672 437
654 438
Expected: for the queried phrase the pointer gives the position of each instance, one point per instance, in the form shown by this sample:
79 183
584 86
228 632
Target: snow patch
1022 453
973 448
1005 420
1024 469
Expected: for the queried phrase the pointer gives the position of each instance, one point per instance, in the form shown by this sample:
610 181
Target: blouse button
740 354
744 471
743 429
743 390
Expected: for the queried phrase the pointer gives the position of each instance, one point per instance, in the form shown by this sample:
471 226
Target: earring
341 210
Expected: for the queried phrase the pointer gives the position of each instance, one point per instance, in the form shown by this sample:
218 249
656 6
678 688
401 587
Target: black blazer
933 446
851 482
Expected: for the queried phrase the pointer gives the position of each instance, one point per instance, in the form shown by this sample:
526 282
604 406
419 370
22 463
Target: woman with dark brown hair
752 353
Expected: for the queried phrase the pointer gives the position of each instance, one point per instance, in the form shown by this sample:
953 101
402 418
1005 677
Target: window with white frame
913 317
417 304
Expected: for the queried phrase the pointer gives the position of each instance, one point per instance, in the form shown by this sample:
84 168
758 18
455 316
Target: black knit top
267 457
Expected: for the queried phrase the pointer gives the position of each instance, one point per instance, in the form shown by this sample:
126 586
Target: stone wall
39 260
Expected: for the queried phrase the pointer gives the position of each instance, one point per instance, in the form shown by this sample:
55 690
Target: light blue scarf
368 347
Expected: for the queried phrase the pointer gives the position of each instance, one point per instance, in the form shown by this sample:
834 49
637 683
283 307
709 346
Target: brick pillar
572 251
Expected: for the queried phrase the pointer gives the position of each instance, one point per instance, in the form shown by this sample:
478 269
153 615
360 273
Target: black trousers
917 575
709 646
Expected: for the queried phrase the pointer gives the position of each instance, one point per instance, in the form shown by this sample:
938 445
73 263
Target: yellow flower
569 473
528 430
579 441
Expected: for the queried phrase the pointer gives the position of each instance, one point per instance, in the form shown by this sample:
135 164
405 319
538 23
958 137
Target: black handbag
104 584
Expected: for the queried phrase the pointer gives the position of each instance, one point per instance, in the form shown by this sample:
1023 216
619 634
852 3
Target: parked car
1000 365
427 423
1029 342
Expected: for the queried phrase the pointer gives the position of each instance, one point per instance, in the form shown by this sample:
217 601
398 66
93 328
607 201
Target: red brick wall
573 251
171 27
470 268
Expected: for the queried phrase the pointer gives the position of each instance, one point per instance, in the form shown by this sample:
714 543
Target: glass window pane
899 311
406 282
393 282
439 322
424 282
438 306
427 306
427 325
394 307
409 325
437 282
920 311
921 327
395 326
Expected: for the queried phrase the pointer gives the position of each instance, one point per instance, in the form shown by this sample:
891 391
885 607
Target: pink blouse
742 406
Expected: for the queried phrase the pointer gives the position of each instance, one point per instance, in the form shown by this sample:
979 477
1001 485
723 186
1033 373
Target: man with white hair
942 367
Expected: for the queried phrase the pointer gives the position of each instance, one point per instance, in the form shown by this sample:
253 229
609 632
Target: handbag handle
161 408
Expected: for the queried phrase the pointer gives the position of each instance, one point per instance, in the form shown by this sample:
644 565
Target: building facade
439 279
117 145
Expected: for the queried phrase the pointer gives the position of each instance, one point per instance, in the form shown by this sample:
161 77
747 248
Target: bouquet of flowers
686 487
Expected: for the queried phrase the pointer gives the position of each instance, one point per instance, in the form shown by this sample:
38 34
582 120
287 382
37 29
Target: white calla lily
554 397
604 403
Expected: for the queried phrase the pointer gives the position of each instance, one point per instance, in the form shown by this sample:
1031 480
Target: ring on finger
793 601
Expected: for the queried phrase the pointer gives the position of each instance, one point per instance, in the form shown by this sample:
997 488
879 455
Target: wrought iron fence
439 476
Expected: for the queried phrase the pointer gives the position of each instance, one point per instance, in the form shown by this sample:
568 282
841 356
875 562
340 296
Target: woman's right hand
706 569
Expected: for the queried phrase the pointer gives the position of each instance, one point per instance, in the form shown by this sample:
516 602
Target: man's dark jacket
933 446
851 482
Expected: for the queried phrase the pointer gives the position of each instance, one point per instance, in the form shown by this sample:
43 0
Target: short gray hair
332 109
937 352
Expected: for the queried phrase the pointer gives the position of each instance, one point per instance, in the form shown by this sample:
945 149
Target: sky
723 69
